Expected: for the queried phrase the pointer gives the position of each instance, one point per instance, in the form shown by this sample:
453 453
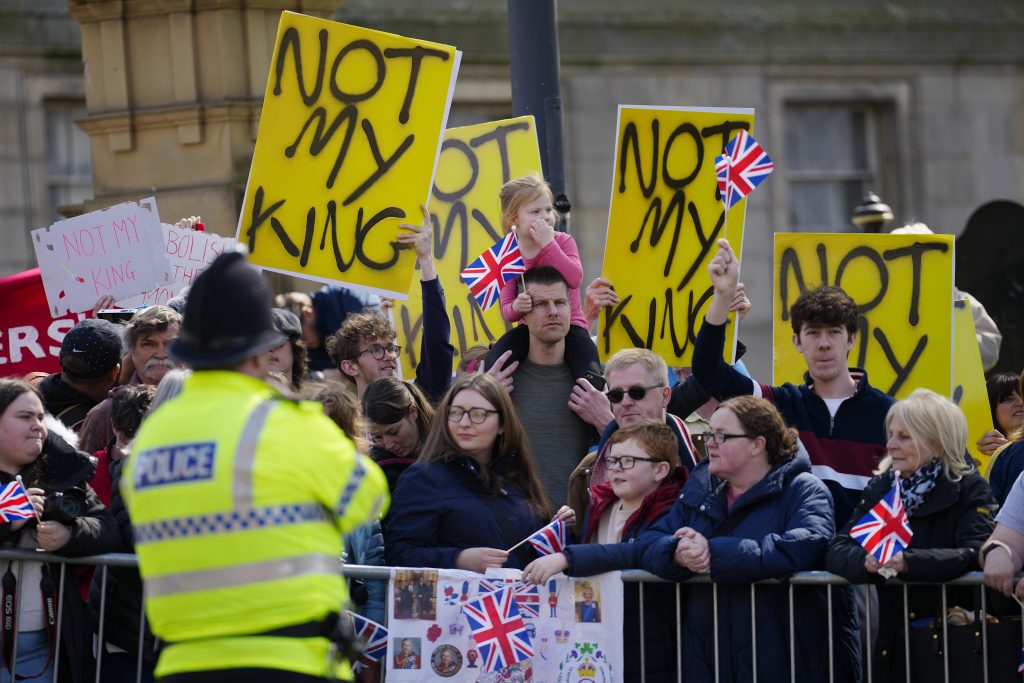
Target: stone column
174 90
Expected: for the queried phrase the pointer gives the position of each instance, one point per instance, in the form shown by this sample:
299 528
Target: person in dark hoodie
751 511
90 361
644 479
47 464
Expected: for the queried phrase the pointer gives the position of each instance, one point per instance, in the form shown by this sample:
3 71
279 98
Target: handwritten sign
969 390
115 251
188 253
666 215
349 136
904 339
475 162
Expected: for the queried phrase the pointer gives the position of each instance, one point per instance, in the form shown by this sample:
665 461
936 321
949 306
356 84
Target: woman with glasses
474 492
751 511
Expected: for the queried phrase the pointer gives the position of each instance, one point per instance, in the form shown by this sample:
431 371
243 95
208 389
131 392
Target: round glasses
377 352
636 393
476 415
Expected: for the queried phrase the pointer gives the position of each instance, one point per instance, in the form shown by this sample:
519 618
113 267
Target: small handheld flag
372 636
498 630
551 539
745 165
492 269
14 503
885 529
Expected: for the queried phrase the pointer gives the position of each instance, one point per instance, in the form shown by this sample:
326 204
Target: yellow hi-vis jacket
238 500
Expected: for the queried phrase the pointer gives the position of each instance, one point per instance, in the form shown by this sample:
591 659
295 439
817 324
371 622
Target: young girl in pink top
526 207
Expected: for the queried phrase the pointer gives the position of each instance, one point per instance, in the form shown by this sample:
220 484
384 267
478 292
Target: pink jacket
564 256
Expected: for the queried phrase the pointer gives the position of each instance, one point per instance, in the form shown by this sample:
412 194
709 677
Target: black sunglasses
636 393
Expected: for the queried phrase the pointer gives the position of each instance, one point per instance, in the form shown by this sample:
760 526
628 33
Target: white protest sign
188 253
115 251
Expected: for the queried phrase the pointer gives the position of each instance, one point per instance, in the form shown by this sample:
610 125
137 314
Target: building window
68 170
832 160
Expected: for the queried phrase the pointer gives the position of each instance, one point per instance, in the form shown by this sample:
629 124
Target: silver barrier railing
803 579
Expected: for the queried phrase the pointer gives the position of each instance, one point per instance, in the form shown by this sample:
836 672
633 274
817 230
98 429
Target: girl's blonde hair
936 426
517 192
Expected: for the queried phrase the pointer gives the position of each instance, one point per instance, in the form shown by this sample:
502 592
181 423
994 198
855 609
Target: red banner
29 338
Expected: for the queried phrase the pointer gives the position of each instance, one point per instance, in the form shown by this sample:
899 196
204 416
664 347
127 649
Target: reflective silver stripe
241 575
245 454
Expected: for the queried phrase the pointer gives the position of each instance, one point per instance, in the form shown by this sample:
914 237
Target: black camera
64 506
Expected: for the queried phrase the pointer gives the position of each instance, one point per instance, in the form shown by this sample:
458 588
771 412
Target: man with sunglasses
364 348
638 390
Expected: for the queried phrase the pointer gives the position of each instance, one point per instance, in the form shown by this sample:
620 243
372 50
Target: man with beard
147 337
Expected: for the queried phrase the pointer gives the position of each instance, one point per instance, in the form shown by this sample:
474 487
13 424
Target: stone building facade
920 102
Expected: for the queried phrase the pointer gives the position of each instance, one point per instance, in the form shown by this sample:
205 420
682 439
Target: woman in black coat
949 507
47 464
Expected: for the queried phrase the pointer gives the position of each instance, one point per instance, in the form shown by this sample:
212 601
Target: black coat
123 601
949 527
59 468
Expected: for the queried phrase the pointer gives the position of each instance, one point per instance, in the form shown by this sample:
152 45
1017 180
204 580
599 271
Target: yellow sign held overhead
665 218
904 339
475 162
969 390
349 135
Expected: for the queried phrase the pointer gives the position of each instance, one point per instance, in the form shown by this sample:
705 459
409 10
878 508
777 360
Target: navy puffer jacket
783 525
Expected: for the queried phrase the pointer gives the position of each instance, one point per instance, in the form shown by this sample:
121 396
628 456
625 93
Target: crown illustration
562 636
586 670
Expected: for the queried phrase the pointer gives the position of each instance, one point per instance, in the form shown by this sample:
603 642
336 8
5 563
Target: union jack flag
492 269
885 529
551 539
372 636
526 595
14 503
746 166
498 630
1020 667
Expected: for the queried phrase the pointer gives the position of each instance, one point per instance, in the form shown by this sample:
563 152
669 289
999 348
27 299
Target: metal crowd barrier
102 564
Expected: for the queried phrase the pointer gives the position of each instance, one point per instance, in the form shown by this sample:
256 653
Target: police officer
238 500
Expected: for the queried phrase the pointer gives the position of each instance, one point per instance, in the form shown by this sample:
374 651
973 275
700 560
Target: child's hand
523 304
542 569
542 232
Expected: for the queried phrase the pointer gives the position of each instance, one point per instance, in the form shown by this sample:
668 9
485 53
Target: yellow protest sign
351 125
475 162
969 390
666 215
904 339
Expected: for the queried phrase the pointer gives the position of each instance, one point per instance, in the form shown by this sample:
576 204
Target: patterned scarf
915 488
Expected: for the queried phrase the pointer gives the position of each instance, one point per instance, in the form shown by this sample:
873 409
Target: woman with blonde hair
949 507
473 492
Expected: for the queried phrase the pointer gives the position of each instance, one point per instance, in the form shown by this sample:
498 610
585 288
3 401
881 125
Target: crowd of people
204 436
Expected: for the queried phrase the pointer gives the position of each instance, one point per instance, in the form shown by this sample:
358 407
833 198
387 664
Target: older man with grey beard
146 337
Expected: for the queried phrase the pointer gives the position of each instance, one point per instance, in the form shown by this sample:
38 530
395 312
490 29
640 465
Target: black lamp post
871 214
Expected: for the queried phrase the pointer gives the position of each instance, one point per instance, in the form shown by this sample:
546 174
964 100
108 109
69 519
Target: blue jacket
844 451
434 365
784 525
365 546
441 508
1005 469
